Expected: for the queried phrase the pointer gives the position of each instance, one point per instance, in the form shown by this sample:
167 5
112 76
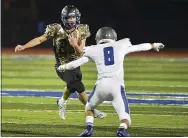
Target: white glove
62 68
158 46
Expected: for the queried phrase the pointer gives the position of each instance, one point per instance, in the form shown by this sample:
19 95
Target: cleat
88 132
62 111
99 114
121 132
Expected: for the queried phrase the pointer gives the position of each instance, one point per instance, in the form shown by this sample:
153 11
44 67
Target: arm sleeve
138 48
74 64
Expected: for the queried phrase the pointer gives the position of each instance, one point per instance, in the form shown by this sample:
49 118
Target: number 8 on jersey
108 56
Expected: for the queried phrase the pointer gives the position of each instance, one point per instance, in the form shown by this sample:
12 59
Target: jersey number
108 56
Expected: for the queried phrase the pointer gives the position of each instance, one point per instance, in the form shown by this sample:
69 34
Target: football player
108 56
64 53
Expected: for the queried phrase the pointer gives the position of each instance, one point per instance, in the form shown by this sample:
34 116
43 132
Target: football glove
62 68
158 46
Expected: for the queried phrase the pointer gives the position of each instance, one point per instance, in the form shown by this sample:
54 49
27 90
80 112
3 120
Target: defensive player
64 53
108 56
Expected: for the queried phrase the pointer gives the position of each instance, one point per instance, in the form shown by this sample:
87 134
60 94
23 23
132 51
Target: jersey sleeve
138 48
84 31
129 48
74 64
124 45
87 52
51 30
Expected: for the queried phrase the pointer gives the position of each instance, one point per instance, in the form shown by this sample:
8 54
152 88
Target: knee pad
76 86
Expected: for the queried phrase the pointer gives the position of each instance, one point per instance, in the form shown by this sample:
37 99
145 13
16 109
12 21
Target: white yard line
82 111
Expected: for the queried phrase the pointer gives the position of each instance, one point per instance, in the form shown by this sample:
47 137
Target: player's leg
67 77
66 94
121 106
62 103
94 100
72 78
80 88
82 96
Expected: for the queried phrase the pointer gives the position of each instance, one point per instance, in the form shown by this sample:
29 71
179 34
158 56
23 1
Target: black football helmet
67 12
105 33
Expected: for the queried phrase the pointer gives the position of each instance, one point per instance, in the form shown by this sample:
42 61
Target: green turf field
34 116
39 117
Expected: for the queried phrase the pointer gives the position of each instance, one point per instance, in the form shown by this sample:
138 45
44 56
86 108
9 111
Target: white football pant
108 89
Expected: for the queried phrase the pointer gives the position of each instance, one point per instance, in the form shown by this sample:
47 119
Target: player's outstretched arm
145 47
74 64
34 42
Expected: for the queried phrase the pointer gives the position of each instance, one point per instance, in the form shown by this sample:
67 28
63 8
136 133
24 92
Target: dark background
163 21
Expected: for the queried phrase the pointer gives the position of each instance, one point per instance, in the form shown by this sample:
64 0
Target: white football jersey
109 57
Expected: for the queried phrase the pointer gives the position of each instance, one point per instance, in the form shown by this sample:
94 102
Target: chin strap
68 30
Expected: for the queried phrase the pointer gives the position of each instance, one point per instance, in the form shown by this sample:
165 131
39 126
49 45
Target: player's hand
158 46
19 48
62 68
73 39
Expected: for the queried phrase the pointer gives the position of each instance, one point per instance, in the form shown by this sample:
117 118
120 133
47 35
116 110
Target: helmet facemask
70 17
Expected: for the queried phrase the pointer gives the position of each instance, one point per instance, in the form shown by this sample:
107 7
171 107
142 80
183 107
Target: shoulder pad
52 29
83 30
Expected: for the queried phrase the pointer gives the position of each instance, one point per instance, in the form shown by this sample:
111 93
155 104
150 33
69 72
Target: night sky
140 20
